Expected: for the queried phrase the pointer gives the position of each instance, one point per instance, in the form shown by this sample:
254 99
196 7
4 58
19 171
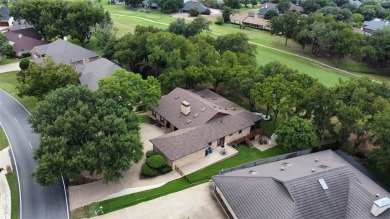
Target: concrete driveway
195 202
92 192
9 67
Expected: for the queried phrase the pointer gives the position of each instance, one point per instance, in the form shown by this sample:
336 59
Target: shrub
156 161
194 12
150 153
219 20
147 171
207 12
24 63
166 169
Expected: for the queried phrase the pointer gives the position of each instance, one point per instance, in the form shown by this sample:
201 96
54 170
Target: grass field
3 140
126 20
8 61
245 155
8 82
13 185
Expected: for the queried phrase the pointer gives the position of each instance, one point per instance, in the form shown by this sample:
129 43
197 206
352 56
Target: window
162 119
154 113
239 132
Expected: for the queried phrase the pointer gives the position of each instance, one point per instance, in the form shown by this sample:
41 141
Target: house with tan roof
326 184
250 19
198 123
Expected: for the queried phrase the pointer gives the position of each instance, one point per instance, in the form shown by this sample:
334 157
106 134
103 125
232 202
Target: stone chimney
185 107
380 206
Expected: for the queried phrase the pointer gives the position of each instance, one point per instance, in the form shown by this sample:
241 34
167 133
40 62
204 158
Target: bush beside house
155 165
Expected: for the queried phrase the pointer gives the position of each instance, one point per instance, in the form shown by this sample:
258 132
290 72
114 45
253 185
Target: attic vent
316 160
188 121
281 168
287 164
226 109
203 96
313 170
177 97
233 109
214 98
252 172
322 166
196 115
323 184
203 109
380 206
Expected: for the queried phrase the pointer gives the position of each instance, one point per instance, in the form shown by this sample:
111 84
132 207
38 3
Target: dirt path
278 50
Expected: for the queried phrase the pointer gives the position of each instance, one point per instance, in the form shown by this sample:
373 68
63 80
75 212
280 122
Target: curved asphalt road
35 202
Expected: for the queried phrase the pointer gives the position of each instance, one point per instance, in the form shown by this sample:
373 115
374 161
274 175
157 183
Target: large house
92 72
24 40
5 19
65 52
199 123
314 186
249 19
376 24
193 4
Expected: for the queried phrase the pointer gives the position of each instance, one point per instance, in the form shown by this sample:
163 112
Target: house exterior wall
194 156
225 202
237 135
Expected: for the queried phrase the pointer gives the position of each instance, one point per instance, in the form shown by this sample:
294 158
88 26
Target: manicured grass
8 83
245 155
8 61
144 119
3 140
13 185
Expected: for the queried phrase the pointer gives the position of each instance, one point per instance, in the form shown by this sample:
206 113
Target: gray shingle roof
92 72
350 194
4 11
190 4
64 52
216 117
355 2
376 24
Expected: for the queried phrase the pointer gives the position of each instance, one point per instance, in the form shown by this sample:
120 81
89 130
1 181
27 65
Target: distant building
356 3
193 4
294 7
318 185
5 19
24 40
264 8
376 24
63 51
250 20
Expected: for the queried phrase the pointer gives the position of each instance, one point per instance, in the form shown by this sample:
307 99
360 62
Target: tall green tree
283 5
80 132
287 24
296 134
226 13
170 6
40 79
198 25
129 89
5 47
235 4
235 42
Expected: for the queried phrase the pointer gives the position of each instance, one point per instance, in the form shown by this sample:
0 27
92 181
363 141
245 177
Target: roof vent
323 166
233 109
177 97
282 168
196 115
188 121
316 160
323 184
214 98
377 195
380 206
203 109
20 35
252 172
287 164
313 170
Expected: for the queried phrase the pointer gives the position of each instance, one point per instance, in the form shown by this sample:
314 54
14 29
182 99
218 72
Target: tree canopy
39 79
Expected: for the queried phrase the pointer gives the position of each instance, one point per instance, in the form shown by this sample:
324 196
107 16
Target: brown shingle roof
24 39
217 117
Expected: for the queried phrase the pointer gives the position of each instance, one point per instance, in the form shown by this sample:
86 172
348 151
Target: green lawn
13 185
245 155
3 140
8 83
126 20
8 61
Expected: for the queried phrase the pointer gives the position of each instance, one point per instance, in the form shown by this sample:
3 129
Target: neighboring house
20 24
63 52
318 185
356 3
357 30
199 123
376 24
151 6
24 40
5 19
92 72
264 8
250 19
192 4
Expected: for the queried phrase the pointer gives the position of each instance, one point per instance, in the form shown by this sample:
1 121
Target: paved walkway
5 193
92 192
195 202
9 67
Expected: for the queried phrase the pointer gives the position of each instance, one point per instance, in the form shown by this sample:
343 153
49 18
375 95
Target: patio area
262 143
215 157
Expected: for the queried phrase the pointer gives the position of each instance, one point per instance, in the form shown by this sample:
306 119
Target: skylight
323 184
